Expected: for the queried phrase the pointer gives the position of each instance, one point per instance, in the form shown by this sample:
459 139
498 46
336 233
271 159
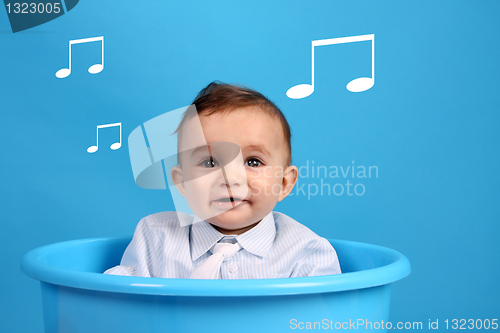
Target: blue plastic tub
77 297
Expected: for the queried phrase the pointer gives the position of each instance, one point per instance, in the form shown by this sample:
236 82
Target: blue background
430 124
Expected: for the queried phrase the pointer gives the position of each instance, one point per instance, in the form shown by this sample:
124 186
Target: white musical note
94 69
356 85
114 146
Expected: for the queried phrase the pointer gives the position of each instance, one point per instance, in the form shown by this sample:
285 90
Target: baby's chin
233 220
231 228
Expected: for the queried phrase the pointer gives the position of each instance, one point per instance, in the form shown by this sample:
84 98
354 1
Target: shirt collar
260 238
203 236
257 240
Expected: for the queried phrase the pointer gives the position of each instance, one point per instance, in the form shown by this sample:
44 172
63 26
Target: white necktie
210 268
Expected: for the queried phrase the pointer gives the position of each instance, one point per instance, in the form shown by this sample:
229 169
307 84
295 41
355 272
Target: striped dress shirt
277 247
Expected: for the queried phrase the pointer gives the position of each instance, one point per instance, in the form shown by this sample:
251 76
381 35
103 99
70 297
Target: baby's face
231 188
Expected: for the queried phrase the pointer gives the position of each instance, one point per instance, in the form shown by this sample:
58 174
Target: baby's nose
233 176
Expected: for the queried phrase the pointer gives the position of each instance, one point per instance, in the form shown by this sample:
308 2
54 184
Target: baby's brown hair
223 97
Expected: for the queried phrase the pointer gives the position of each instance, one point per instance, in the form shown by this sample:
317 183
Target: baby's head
234 157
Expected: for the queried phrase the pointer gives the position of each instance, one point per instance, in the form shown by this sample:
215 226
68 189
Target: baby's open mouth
228 202
230 199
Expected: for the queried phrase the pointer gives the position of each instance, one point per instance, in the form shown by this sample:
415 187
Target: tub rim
34 268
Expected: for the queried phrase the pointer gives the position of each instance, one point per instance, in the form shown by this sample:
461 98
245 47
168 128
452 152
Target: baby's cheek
256 185
193 196
198 190
265 186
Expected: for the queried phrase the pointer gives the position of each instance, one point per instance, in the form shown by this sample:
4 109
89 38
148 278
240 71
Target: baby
234 156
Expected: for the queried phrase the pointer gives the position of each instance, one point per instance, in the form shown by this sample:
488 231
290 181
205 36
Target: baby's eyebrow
200 149
258 148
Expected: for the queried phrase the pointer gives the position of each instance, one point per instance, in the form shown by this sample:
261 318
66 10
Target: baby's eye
209 163
253 163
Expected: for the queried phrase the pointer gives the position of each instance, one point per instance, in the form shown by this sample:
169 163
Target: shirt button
233 268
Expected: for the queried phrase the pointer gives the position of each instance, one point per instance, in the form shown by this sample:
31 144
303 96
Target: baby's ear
176 174
290 176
